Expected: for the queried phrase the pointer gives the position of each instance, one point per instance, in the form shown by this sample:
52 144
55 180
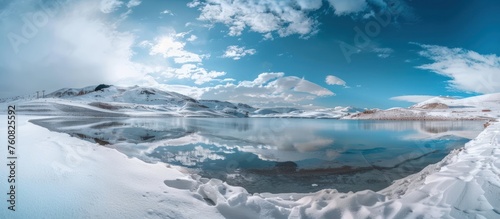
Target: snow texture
114 101
483 107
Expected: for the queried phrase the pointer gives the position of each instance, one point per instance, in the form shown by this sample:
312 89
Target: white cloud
237 53
170 46
167 12
192 38
265 77
265 16
133 3
368 15
469 71
124 15
413 98
108 6
193 4
333 80
190 71
268 36
310 4
187 65
74 48
344 7
288 17
268 88
180 35
228 80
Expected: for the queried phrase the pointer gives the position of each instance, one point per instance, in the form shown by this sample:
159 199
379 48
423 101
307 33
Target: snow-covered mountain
480 107
487 101
116 101
337 112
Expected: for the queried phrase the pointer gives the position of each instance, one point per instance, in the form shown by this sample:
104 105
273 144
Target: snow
465 184
62 177
136 101
324 113
481 100
483 107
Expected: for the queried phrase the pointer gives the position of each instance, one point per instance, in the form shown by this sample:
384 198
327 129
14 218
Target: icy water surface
280 155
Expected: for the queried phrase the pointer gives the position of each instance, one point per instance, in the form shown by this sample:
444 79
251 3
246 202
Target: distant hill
110 100
482 107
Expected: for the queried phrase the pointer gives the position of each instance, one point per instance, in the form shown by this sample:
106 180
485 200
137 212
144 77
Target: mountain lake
279 155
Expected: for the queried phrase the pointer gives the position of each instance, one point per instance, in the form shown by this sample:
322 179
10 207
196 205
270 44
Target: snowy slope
110 101
59 177
238 110
107 100
486 101
326 113
483 107
136 94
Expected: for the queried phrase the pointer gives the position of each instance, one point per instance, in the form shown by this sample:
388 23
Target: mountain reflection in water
259 154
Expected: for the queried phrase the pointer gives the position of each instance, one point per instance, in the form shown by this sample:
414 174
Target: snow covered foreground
63 177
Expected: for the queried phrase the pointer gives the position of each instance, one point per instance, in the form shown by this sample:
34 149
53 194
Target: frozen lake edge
103 183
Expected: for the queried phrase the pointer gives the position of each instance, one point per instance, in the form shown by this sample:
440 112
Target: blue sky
363 53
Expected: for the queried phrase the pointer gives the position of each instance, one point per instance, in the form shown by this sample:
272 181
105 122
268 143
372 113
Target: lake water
280 155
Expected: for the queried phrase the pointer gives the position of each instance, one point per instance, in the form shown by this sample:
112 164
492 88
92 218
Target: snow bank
62 177
466 184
